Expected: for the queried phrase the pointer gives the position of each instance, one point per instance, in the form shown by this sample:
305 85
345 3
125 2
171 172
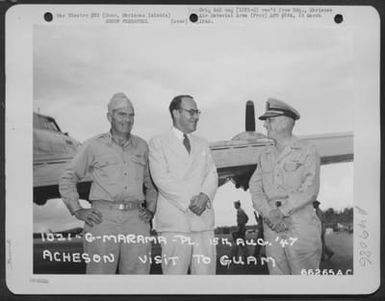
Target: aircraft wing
236 159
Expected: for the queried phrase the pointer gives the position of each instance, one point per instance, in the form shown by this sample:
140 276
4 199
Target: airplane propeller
249 117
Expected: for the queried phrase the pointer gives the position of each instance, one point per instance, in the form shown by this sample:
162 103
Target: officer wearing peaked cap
283 188
118 165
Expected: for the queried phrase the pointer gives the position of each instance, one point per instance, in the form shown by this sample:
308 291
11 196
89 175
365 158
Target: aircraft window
41 122
46 124
53 126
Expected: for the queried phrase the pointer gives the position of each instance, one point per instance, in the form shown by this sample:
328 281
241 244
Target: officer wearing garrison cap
122 194
283 188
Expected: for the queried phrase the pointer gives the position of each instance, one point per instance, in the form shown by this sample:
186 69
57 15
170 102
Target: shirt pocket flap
292 165
139 159
107 160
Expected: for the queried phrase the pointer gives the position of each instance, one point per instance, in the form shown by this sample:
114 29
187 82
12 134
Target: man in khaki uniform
283 188
242 220
117 163
327 253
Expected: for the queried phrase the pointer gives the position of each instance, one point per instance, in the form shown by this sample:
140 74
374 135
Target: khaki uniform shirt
118 173
292 178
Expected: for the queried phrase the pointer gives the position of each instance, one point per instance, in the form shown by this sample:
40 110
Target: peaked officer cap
276 107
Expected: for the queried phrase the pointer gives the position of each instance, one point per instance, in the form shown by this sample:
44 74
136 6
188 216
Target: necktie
186 143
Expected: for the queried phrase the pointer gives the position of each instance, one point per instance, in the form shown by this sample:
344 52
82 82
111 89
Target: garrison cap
276 107
237 202
118 101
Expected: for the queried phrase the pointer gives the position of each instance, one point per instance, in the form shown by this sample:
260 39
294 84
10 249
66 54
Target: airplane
52 151
235 159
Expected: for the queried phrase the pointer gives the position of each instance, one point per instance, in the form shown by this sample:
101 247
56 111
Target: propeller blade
250 117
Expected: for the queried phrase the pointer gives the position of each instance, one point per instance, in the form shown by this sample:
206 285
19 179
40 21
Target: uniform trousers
304 247
194 250
116 225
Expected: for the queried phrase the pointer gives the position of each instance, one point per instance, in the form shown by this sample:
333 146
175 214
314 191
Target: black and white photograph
207 141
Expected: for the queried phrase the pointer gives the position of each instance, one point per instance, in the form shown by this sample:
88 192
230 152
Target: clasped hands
276 221
199 203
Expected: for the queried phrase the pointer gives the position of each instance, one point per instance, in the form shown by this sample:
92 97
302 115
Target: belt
129 205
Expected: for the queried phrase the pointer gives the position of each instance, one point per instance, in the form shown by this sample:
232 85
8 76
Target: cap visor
269 114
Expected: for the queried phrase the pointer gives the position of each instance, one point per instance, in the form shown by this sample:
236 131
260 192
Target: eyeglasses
192 112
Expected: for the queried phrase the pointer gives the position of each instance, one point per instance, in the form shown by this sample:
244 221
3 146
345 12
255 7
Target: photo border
381 97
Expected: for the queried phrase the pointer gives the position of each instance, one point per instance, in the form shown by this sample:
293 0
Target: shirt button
125 187
125 174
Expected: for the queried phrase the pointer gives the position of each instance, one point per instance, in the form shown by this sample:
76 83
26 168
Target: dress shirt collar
178 133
